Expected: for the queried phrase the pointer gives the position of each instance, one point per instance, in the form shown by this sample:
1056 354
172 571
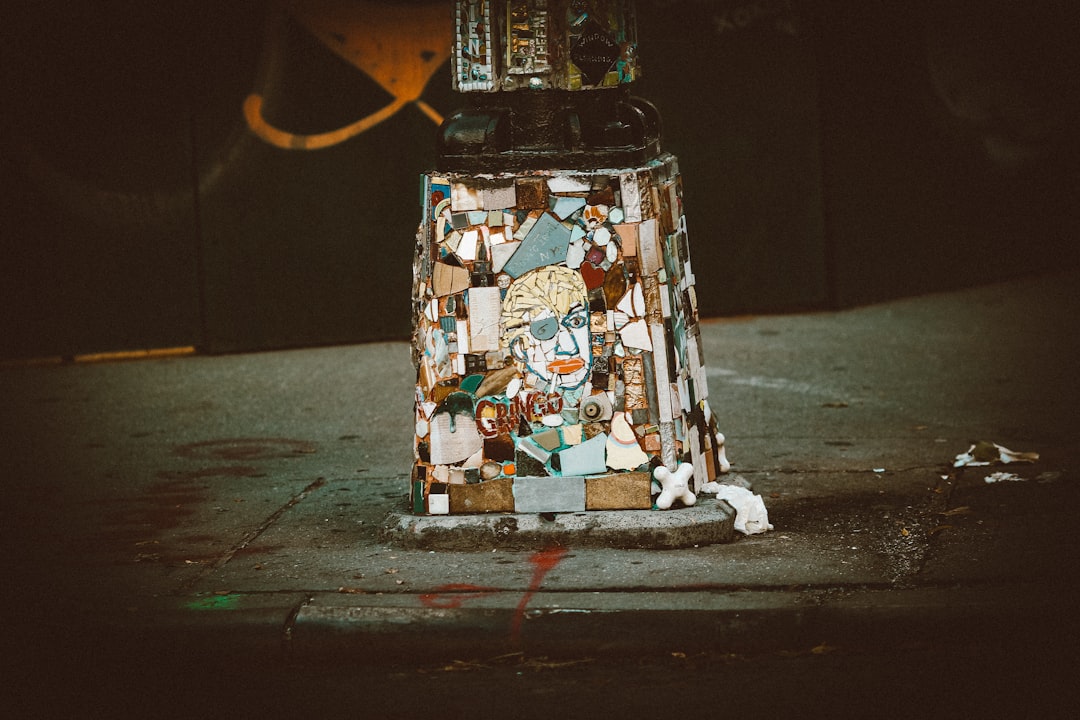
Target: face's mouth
566 366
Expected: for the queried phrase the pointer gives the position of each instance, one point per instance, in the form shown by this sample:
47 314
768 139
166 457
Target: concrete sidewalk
235 504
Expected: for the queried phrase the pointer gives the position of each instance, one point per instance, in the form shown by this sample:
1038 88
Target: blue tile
549 494
546 244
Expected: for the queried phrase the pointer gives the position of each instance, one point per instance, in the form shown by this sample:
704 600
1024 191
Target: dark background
833 154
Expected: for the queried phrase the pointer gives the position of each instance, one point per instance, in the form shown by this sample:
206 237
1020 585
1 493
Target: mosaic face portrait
545 319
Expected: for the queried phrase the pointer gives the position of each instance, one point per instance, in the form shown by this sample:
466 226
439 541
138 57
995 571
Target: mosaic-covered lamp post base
556 343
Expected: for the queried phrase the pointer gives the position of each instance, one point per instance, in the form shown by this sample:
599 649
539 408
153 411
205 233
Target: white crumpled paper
987 453
751 517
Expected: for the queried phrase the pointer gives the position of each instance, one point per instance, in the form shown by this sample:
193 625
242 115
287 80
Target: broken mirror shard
556 343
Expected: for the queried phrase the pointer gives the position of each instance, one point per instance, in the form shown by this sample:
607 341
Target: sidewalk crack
250 537
907 554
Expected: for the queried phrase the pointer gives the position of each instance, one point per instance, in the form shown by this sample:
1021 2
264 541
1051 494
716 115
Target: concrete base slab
708 522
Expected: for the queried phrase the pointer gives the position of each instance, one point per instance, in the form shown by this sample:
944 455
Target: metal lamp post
559 364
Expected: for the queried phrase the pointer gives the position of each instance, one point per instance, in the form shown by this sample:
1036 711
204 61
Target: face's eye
544 328
575 320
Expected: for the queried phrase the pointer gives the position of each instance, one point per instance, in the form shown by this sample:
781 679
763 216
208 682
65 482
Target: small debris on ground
1003 477
985 453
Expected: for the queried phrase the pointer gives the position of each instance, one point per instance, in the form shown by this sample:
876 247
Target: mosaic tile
564 207
531 193
621 491
498 198
622 449
549 494
545 244
473 64
448 279
569 184
439 504
586 458
501 254
493 496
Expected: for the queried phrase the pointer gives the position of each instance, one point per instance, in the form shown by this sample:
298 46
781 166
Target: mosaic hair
554 287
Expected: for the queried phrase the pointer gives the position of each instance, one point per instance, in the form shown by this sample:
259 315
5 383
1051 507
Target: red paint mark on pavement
452 596
545 560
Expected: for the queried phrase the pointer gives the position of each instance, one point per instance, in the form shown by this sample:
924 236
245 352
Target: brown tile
628 237
622 491
492 496
531 194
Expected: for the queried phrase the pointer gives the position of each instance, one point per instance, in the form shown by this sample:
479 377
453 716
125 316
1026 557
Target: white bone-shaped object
722 453
675 485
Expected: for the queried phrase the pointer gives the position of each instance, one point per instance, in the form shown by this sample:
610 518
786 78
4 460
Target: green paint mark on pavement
215 602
